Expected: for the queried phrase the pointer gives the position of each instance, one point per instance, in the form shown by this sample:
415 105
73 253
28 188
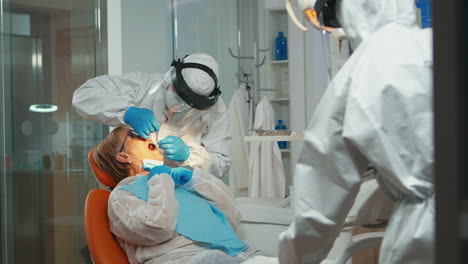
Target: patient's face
141 148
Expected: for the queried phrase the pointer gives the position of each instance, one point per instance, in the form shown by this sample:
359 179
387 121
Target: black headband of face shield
193 99
326 13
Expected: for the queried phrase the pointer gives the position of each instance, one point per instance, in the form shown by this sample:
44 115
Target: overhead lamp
43 108
319 13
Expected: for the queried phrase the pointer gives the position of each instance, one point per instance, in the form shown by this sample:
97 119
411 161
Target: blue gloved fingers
142 134
142 121
174 148
171 157
166 146
146 133
155 125
160 169
170 151
151 128
168 140
181 175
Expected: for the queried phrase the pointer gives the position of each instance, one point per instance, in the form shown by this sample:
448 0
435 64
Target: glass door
209 26
49 48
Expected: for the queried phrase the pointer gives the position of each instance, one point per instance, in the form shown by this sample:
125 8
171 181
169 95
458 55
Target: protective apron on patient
201 221
197 219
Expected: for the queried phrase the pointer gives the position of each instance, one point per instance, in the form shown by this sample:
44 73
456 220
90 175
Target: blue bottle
281 52
426 12
281 126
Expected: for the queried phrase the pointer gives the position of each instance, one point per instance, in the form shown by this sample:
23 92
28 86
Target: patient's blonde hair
106 152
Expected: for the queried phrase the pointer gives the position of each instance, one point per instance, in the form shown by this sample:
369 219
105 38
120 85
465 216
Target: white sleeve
144 223
106 98
326 182
214 190
214 155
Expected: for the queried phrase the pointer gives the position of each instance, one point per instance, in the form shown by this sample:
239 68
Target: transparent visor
311 16
174 102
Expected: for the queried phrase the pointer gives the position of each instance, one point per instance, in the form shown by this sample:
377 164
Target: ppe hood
360 18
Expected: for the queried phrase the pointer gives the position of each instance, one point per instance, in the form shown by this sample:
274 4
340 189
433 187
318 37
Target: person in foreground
164 215
377 111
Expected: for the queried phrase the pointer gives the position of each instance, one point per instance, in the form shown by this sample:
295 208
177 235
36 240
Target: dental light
319 13
43 108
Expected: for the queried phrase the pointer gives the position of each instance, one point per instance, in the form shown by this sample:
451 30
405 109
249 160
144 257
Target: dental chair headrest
104 177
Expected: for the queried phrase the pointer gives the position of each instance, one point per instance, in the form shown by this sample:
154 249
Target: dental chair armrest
361 241
261 260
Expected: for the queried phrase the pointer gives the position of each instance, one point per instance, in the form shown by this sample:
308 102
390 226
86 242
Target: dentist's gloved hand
175 148
142 121
181 175
139 187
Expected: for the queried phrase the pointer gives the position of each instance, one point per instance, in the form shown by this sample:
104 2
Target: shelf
278 99
278 61
285 150
274 138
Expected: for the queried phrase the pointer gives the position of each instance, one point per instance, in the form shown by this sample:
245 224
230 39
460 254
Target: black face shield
326 13
193 99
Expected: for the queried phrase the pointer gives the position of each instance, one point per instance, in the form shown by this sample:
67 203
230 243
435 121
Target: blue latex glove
181 175
175 148
139 187
142 121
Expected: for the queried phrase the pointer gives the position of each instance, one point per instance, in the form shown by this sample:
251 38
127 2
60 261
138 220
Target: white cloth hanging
239 120
266 167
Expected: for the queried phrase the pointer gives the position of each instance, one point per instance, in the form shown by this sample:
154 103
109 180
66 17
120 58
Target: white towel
266 166
239 116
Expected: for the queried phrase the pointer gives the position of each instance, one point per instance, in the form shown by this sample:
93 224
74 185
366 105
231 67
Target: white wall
322 64
140 36
146 35
248 31
316 69
144 31
114 36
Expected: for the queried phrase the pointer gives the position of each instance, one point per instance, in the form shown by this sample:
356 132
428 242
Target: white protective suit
106 98
377 110
146 230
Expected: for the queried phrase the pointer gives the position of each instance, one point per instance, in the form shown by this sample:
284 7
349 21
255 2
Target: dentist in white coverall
377 110
193 132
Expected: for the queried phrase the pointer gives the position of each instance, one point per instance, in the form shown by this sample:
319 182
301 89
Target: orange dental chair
102 244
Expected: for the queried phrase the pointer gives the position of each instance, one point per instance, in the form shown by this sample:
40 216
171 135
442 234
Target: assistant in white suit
377 110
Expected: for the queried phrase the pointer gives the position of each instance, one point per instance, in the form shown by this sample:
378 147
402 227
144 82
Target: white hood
360 18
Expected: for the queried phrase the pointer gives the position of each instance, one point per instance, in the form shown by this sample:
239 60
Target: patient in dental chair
167 215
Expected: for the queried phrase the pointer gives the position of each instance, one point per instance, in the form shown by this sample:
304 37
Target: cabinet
283 82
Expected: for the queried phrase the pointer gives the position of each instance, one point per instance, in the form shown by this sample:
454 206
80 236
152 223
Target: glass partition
209 26
6 180
49 49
